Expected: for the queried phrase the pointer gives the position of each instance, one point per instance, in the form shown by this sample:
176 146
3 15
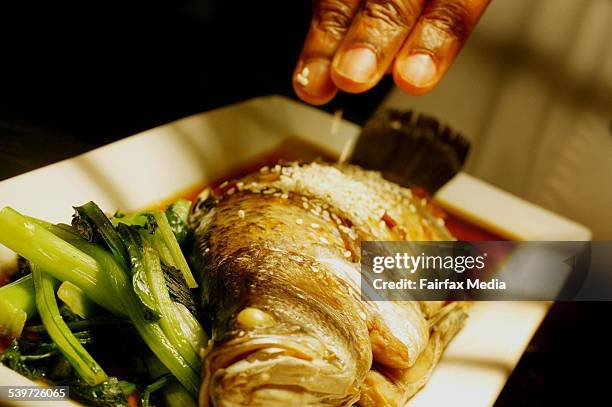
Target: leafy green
110 393
13 359
63 254
177 214
97 224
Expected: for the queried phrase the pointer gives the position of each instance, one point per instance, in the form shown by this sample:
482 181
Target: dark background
75 78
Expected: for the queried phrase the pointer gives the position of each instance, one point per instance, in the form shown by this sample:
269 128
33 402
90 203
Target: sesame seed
223 185
305 205
240 185
299 221
314 225
231 191
265 169
347 254
412 208
305 72
241 214
323 240
440 222
284 196
207 250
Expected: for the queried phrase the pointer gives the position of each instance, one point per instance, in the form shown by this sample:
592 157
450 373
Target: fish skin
286 242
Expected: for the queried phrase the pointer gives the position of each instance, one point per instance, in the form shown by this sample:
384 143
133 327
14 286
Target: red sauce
4 343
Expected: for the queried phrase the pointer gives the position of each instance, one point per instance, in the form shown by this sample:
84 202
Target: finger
375 36
434 43
311 78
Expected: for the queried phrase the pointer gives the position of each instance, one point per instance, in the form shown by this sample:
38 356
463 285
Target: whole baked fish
279 252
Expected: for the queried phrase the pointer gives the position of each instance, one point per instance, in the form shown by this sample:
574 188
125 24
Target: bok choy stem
77 301
58 331
167 236
56 256
17 305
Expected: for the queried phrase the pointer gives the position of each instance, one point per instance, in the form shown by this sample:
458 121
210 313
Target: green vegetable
82 362
140 274
191 327
112 392
98 224
13 359
17 304
150 332
34 240
177 214
167 236
67 257
145 258
77 301
133 219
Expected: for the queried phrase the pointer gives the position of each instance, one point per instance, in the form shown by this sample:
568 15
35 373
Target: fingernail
358 64
314 78
418 69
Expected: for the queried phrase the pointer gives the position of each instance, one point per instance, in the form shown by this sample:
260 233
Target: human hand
352 44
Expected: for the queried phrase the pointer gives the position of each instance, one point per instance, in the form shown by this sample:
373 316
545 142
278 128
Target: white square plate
151 166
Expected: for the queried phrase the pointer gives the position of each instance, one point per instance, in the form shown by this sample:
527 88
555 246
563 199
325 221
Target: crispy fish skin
279 251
